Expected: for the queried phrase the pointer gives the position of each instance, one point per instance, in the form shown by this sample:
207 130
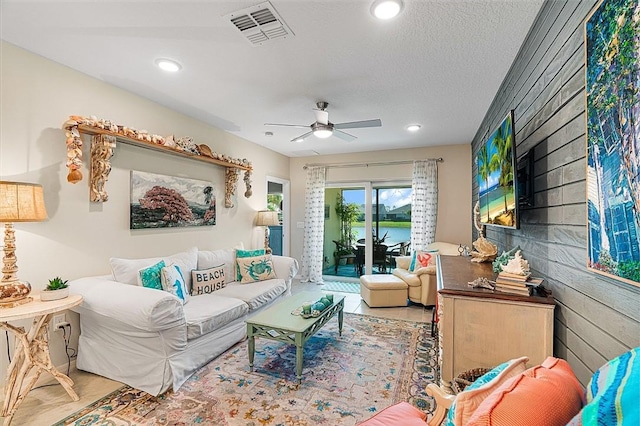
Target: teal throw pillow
173 282
150 277
246 253
613 393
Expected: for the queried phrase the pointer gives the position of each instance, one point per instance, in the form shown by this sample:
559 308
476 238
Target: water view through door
390 229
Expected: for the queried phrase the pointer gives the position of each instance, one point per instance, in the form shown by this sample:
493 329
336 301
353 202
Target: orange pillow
548 394
400 414
468 401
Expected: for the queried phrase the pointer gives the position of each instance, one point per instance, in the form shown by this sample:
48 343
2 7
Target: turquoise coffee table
277 323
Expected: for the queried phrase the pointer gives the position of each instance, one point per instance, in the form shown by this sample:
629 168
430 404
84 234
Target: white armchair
422 282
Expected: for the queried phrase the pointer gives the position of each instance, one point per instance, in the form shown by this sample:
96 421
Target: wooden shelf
90 130
103 144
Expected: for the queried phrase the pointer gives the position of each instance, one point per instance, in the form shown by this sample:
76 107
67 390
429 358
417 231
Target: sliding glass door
367 225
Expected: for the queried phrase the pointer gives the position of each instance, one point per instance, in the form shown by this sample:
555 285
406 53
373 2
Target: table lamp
267 218
19 202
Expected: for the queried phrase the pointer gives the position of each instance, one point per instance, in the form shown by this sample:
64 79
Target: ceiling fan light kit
168 65
386 9
323 128
322 131
413 127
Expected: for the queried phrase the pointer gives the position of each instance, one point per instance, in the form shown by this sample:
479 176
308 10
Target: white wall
454 184
37 96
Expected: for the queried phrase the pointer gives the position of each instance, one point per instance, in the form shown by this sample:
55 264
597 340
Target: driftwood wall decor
102 147
107 133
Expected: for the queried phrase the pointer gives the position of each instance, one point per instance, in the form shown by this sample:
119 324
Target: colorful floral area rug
346 379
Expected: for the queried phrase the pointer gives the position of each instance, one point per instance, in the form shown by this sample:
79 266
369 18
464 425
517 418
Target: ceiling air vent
260 24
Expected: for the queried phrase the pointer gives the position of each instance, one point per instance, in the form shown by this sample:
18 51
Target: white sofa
148 339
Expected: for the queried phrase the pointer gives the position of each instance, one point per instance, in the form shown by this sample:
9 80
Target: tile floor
47 405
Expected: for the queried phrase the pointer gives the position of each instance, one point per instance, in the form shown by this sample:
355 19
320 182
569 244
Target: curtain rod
373 163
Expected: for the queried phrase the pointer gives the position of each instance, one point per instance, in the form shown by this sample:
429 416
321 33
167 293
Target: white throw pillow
206 281
213 258
173 282
126 270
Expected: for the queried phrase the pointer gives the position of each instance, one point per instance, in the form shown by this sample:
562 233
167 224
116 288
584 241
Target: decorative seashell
484 250
74 176
205 150
70 124
517 265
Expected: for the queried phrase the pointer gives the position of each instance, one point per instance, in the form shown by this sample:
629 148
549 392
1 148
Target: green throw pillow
246 253
150 277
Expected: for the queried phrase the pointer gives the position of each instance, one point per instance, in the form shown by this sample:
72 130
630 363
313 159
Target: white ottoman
382 290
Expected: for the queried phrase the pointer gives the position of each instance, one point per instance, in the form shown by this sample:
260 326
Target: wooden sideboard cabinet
483 328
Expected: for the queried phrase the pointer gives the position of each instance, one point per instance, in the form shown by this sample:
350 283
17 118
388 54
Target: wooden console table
32 350
483 328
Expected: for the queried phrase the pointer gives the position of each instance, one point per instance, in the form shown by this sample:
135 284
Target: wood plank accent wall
596 318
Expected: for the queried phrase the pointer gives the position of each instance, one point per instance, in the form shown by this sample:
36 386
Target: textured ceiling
439 63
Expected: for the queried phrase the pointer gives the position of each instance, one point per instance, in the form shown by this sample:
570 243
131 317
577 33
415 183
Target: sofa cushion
246 253
126 270
211 258
400 414
255 294
258 268
467 402
210 312
613 393
410 278
173 282
207 281
548 394
150 276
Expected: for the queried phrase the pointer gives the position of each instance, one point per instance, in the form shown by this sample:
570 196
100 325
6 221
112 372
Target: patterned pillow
246 253
173 282
207 281
150 276
258 268
467 401
613 393
422 259
548 394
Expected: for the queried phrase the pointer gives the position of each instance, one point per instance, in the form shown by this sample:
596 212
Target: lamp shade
21 202
267 218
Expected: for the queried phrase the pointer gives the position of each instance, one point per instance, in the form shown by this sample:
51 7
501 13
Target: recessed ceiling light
168 65
413 127
386 9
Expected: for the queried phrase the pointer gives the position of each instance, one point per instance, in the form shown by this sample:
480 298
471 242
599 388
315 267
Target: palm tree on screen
484 170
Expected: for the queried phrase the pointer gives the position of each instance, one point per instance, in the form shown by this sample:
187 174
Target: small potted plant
56 289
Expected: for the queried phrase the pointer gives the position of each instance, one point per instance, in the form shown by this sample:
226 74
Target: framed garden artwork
160 201
612 46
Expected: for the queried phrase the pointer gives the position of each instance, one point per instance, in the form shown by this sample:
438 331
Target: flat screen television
496 169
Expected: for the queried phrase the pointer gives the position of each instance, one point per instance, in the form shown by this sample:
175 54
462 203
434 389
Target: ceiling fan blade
302 126
322 116
301 136
344 136
356 124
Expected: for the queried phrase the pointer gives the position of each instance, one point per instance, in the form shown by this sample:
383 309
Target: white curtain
424 203
312 252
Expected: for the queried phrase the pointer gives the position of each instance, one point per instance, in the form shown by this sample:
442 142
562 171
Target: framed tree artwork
612 46
160 201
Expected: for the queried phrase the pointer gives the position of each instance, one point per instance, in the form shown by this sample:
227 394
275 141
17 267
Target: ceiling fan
323 128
